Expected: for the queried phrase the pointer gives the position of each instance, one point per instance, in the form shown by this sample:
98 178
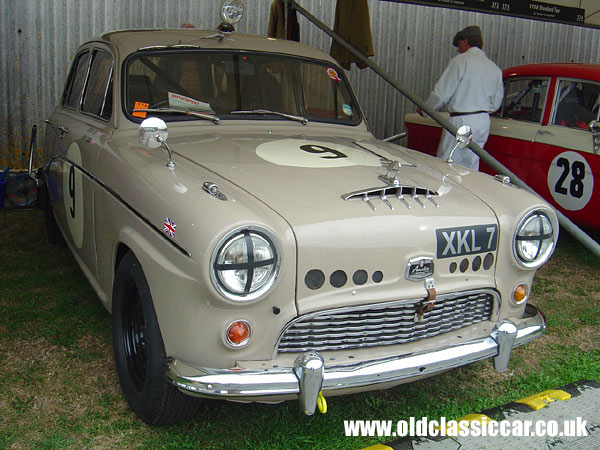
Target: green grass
59 388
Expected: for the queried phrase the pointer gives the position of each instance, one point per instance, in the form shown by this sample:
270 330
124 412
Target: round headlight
232 11
534 240
245 264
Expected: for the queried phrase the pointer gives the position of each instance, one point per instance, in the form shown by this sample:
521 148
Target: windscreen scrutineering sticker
315 154
332 73
140 105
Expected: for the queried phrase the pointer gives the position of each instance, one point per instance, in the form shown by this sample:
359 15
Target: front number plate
466 240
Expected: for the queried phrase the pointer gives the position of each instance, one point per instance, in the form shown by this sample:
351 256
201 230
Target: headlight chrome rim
232 11
249 235
546 241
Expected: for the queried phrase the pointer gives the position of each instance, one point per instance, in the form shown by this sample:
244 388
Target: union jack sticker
169 228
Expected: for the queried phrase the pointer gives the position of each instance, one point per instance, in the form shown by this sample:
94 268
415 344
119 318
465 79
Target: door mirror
464 136
153 133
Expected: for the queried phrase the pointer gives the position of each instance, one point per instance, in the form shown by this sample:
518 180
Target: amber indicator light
238 332
520 293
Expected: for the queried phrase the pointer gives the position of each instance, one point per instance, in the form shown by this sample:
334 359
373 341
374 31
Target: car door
514 128
81 124
566 167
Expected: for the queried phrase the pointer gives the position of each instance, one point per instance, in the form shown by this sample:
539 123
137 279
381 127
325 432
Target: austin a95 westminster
253 241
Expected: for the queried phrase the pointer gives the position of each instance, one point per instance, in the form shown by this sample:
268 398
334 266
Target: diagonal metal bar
565 222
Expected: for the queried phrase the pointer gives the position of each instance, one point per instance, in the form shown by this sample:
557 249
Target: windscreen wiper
301 119
187 112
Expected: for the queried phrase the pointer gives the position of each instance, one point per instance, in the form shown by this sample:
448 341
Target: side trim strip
116 195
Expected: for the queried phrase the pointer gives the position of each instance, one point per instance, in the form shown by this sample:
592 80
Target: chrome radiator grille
385 324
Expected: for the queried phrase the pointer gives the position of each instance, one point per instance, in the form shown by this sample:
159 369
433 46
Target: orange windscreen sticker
140 105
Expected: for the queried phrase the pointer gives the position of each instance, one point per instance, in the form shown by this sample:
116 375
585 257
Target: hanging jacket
276 27
352 22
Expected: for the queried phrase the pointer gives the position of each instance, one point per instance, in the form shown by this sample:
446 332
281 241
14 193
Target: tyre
139 351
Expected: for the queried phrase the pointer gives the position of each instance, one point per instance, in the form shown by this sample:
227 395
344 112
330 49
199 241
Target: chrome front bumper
309 376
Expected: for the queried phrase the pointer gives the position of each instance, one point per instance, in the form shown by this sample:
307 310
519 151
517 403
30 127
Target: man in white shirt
471 87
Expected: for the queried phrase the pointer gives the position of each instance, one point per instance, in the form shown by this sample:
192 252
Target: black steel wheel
134 336
139 351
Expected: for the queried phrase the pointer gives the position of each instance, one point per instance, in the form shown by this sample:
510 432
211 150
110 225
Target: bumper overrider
309 376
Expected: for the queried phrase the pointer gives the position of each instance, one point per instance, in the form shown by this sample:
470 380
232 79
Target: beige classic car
270 248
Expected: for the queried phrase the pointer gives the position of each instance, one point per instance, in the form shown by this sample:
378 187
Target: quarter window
524 99
76 80
97 99
577 104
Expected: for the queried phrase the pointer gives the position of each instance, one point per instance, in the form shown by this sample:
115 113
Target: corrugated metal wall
413 43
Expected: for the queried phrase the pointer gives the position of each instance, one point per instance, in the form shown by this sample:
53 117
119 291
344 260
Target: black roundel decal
322 149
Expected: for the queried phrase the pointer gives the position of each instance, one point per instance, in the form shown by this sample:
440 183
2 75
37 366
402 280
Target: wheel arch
122 250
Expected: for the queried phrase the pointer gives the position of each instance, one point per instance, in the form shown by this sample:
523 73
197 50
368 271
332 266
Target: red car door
514 128
566 168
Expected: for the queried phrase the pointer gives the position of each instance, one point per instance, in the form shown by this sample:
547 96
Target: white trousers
480 125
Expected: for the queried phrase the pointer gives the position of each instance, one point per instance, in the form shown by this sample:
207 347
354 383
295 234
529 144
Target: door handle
60 131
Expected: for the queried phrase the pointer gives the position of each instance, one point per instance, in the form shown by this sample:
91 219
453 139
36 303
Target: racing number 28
577 170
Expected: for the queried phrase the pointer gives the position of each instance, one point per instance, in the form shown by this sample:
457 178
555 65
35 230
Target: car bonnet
345 214
318 179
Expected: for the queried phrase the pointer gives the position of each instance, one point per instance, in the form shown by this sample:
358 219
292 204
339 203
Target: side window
524 99
76 80
577 104
97 99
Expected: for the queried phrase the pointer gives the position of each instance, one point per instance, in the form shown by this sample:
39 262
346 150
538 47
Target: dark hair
472 34
475 41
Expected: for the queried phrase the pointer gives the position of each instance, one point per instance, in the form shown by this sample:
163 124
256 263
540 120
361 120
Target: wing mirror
595 129
153 133
464 136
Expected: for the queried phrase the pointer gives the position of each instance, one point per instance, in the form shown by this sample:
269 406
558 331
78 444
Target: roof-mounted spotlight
231 13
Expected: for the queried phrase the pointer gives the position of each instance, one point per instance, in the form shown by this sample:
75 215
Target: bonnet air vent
407 195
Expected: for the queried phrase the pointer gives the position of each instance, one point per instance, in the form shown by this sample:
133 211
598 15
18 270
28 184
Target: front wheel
139 351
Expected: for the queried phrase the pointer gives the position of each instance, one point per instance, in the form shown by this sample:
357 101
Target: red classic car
547 132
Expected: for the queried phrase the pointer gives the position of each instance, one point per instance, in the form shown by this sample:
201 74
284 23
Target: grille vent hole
338 278
360 277
488 261
314 279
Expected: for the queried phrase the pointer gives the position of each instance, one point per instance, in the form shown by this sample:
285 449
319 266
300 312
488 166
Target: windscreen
227 83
